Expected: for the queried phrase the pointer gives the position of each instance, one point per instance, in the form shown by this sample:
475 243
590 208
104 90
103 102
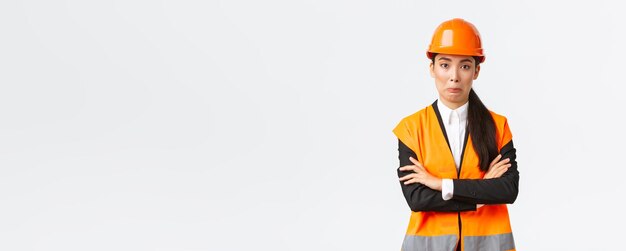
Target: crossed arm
424 194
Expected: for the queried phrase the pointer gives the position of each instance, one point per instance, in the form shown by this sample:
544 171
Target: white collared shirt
455 122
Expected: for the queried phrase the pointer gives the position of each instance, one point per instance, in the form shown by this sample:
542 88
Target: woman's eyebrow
463 60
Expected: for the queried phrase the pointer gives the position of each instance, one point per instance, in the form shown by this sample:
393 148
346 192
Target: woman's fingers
501 171
491 173
418 171
411 181
415 162
418 166
497 172
408 176
501 163
414 168
494 165
404 168
494 161
408 168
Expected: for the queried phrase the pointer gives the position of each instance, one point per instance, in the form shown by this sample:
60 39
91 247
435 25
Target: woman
457 160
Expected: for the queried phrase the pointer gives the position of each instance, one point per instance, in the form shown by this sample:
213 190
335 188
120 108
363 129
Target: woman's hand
497 167
420 175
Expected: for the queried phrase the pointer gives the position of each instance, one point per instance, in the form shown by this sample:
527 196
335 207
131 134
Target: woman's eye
466 67
444 65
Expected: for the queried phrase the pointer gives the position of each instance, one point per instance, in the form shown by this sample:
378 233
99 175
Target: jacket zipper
458 176
460 227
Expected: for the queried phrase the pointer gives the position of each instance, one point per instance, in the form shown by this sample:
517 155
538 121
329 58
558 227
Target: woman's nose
454 77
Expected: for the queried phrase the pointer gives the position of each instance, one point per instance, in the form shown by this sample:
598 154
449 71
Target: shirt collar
445 112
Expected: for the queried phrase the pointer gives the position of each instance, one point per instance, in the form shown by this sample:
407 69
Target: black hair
481 126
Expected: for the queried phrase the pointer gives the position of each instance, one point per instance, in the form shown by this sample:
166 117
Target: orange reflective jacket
486 228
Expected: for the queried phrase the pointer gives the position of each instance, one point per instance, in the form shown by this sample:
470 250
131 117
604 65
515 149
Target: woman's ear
476 72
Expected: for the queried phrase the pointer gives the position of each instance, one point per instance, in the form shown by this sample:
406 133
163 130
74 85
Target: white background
266 125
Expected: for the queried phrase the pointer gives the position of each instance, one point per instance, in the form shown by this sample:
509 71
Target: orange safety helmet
457 37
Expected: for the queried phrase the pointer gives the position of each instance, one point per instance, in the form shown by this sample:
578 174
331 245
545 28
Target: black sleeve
502 190
422 198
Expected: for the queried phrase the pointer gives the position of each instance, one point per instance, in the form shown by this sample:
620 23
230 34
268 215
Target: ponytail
482 129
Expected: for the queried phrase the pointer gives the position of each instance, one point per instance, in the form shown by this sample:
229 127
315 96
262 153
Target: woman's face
454 75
